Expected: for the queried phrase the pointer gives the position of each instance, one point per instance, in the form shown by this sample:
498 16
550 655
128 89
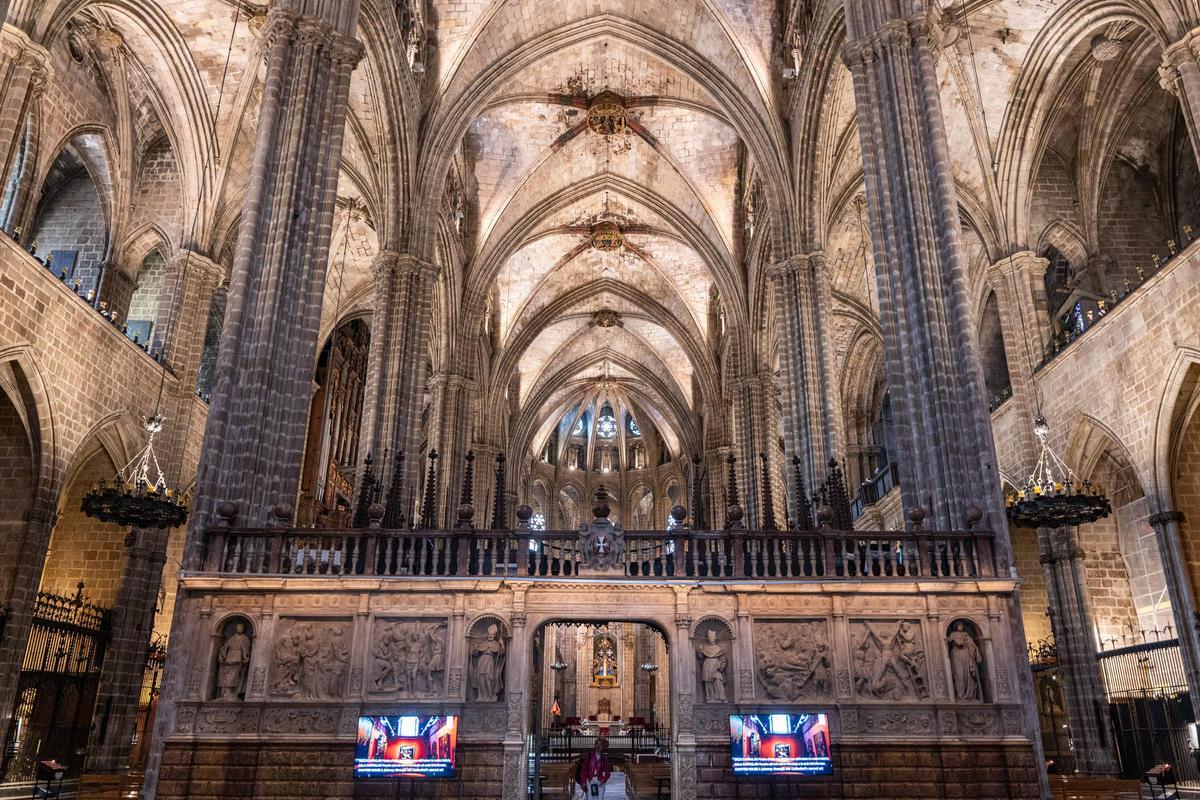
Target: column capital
207 269
1021 263
1165 518
792 264
450 380
15 44
284 23
393 262
1184 51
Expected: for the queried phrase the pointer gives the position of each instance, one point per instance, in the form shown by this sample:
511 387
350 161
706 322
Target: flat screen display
780 744
406 747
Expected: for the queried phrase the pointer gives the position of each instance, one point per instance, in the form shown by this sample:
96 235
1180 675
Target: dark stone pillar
1083 685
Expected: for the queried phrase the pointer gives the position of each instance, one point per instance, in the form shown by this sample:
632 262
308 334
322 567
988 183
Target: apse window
606 428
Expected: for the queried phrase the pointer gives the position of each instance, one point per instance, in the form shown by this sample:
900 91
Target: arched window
634 430
991 352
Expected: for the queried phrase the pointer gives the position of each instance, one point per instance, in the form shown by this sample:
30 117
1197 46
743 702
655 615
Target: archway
606 682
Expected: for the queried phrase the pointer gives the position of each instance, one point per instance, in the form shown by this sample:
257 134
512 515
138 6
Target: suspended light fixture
136 498
1052 496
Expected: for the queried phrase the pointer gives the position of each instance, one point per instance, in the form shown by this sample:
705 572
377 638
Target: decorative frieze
793 660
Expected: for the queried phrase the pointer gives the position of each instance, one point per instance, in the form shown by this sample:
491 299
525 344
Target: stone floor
109 787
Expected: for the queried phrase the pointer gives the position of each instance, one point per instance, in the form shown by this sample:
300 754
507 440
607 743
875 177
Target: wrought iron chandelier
1052 496
135 498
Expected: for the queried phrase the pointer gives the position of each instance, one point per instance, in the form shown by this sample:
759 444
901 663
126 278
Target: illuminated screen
406 747
780 744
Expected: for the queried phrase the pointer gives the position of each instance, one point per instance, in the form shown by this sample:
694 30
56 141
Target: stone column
449 433
259 414
747 403
811 411
516 684
1179 588
257 422
947 457
26 70
400 324
1074 636
1026 333
119 692
943 430
1180 75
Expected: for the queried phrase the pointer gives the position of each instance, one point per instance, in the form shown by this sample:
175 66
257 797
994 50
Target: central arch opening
606 685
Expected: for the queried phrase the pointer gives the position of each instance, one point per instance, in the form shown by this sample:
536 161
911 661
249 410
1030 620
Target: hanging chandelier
135 499
1052 496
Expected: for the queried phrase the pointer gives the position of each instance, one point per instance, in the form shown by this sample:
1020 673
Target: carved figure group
409 658
889 661
965 663
233 662
714 664
487 666
793 660
310 661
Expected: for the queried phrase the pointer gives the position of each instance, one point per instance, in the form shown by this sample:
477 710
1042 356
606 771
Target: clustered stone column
396 374
119 693
1083 686
943 429
1180 75
1180 589
449 429
26 70
258 419
1025 335
811 427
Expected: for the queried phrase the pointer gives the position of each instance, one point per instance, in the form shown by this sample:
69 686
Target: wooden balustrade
705 555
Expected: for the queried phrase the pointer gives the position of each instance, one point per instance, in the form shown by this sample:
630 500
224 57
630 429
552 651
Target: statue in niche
889 662
233 663
310 661
409 658
714 664
487 666
794 661
965 663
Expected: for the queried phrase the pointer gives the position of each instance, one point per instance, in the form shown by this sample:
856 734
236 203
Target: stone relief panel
311 659
888 658
487 651
301 720
407 658
792 659
714 662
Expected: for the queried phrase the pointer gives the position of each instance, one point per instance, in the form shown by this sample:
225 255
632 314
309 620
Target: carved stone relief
185 720
892 722
686 766
889 660
792 659
484 720
712 722
408 658
982 722
310 660
227 720
300 720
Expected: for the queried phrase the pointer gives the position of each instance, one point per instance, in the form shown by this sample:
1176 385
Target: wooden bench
557 778
648 781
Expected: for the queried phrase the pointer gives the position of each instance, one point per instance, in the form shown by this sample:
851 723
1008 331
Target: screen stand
412 789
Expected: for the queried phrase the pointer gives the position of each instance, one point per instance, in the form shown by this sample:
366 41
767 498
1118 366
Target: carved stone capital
1020 265
409 264
894 35
200 266
860 52
1163 518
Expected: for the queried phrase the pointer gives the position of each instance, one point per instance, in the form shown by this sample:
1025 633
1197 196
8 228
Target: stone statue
889 662
794 661
487 666
965 660
714 663
233 662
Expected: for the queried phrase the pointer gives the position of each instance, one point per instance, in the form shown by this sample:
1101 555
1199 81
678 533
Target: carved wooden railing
816 555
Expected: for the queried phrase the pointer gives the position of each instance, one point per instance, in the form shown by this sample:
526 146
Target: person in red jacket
594 772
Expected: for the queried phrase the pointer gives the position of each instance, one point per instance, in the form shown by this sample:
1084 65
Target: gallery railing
811 555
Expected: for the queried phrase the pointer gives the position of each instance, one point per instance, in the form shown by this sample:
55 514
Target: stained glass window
606 428
634 430
578 429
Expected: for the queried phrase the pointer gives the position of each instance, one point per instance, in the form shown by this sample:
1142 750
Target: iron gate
1051 707
56 691
1149 704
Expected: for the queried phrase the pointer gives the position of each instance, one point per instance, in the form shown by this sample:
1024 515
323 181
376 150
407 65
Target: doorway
606 682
